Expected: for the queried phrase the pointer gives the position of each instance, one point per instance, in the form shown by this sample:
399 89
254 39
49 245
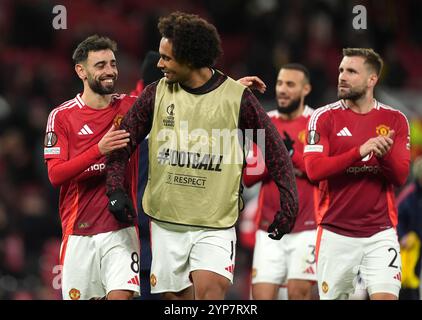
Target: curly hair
195 41
92 43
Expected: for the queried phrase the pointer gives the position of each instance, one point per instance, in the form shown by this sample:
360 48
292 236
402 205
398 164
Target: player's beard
353 94
98 88
291 107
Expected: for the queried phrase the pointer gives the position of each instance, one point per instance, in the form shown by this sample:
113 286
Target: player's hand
120 205
253 83
279 227
113 140
379 145
288 142
298 173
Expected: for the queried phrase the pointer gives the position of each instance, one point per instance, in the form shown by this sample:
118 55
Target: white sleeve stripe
52 116
318 112
315 116
383 106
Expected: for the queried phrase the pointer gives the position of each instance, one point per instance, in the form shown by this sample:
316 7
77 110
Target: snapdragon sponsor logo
363 169
96 167
202 150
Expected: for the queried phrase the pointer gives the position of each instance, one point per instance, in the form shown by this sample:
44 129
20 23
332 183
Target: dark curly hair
195 41
92 43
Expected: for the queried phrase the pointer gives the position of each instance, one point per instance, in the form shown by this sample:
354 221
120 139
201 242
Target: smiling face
173 71
355 78
100 71
291 89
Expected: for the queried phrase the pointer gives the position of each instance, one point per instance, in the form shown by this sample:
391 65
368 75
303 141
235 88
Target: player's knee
186 294
261 291
300 291
383 296
120 295
212 290
299 294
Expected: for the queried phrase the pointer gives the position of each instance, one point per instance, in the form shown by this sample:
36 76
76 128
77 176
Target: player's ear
372 80
80 71
307 89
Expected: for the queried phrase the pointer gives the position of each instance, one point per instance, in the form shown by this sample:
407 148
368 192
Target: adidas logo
309 270
230 268
113 202
398 276
134 280
85 130
344 133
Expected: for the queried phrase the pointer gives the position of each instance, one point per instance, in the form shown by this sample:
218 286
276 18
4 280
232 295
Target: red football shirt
268 199
73 130
356 194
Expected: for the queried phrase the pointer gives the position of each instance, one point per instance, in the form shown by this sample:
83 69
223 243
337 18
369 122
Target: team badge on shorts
324 287
382 130
254 272
153 280
74 294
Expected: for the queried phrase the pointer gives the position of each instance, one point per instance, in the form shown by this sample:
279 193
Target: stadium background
258 36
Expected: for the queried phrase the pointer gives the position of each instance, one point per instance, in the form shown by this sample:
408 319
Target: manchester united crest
254 272
382 130
74 294
301 136
324 287
153 280
117 120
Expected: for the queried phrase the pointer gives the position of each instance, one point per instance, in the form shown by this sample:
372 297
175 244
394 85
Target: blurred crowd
258 36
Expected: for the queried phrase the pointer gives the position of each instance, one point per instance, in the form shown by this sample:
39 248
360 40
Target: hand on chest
346 134
86 131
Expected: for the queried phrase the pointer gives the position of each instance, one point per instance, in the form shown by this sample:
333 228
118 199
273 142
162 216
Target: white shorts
340 259
179 250
277 261
95 265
